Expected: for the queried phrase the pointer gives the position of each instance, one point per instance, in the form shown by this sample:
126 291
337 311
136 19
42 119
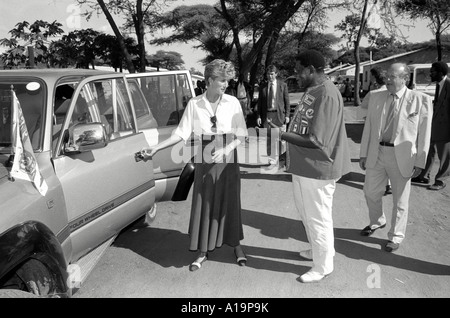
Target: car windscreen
423 76
31 96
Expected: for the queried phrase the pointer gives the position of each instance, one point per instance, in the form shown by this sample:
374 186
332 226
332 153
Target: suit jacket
440 130
281 102
411 134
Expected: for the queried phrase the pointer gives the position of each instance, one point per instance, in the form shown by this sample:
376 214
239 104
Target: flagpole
13 137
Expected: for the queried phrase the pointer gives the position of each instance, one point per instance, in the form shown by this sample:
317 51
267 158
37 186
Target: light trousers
314 202
374 187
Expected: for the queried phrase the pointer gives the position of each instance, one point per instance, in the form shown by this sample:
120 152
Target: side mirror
87 137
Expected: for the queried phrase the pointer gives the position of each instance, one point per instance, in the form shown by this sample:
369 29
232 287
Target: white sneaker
312 277
307 254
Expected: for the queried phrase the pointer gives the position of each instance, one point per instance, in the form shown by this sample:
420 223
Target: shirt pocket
412 123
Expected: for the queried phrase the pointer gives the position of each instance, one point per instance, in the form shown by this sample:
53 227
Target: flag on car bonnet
24 166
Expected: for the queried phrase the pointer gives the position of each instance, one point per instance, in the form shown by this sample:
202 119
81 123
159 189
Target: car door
108 188
160 99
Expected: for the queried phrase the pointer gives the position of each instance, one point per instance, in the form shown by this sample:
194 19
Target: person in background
273 111
377 83
231 89
216 120
243 95
440 129
394 146
348 90
199 89
317 156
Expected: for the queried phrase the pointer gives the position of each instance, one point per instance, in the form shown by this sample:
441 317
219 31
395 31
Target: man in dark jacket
273 110
440 129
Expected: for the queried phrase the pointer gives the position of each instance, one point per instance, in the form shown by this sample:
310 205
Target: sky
67 13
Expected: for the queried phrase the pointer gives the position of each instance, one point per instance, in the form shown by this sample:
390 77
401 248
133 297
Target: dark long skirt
216 206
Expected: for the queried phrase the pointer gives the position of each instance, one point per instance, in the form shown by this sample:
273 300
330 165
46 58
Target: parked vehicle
420 78
86 129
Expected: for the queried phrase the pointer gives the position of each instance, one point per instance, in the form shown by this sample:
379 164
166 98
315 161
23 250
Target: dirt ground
152 262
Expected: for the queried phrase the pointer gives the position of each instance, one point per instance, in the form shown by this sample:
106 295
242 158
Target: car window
106 102
144 115
162 93
423 76
183 92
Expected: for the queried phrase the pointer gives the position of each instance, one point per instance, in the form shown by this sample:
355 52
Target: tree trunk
274 23
357 100
439 45
140 33
119 36
32 63
271 48
235 31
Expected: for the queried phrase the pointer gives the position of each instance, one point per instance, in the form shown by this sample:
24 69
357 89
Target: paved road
153 261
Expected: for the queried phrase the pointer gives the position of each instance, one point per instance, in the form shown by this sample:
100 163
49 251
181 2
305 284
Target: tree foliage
245 31
137 15
291 43
359 24
85 48
437 12
169 60
29 43
201 24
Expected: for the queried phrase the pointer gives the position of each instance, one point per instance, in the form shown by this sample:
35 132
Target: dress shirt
197 117
390 107
274 87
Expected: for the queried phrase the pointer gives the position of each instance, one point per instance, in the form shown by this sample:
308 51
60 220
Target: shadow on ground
346 243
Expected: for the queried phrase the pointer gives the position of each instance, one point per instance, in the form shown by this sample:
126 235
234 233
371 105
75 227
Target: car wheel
32 279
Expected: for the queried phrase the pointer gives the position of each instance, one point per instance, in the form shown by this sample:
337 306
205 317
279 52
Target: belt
272 110
387 144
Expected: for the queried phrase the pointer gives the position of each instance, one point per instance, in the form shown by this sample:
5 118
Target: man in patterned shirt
317 156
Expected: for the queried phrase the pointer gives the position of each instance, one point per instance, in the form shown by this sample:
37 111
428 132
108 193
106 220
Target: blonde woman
216 119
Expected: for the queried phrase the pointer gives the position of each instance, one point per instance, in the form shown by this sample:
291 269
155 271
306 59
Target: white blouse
197 118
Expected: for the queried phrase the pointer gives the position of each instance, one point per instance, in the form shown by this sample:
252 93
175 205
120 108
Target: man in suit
394 146
273 110
440 129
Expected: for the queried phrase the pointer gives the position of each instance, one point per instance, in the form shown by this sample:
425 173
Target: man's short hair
376 71
440 66
379 75
271 68
311 58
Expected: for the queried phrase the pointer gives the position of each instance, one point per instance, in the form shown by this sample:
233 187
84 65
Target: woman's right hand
148 153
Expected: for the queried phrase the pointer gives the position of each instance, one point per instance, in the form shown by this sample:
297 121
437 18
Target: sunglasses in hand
213 121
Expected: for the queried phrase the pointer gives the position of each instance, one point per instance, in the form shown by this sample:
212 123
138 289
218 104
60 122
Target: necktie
270 98
436 93
389 126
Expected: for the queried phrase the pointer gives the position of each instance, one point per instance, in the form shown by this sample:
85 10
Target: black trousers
442 150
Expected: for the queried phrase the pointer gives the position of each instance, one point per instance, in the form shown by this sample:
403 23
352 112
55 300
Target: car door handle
138 156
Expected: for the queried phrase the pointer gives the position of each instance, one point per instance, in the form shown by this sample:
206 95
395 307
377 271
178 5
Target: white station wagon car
71 177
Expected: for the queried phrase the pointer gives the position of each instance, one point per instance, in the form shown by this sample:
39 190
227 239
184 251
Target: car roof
426 65
52 76
53 73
